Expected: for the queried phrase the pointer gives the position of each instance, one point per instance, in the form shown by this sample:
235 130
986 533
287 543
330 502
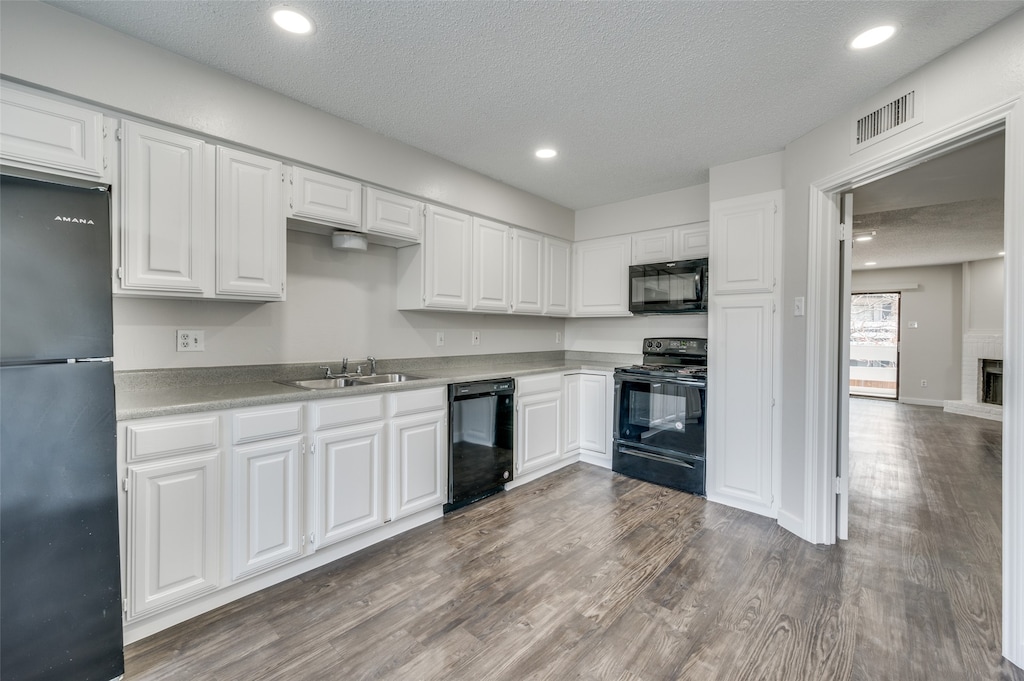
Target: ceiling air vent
888 120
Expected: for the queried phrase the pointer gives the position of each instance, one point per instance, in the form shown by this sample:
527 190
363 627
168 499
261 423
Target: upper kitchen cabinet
558 277
51 136
250 226
527 272
391 219
437 274
491 277
601 287
685 242
325 199
167 213
691 241
742 256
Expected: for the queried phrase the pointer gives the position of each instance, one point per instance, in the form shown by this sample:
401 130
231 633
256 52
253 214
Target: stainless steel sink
321 383
386 378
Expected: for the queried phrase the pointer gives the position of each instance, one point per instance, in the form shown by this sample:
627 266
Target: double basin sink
346 381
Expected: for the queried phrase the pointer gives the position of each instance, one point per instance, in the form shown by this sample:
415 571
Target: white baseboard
792 523
921 401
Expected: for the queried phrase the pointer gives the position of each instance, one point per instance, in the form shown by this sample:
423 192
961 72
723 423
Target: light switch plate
911 325
475 338
440 338
798 306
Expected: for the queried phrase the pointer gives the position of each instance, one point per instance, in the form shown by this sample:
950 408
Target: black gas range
660 412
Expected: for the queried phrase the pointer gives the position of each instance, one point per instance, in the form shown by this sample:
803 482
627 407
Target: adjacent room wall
930 351
985 296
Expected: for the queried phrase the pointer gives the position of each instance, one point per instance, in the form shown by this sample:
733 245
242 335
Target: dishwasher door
480 431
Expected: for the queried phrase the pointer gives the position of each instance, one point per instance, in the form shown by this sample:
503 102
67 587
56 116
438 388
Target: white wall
666 209
749 176
983 288
931 351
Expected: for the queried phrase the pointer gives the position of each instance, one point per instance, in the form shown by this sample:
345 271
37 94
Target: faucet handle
344 365
327 371
373 365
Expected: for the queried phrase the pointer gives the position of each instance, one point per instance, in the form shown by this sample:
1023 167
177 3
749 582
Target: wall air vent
887 120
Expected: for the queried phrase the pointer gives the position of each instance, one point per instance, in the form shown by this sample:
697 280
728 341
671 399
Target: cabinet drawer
543 383
418 400
266 422
164 437
347 411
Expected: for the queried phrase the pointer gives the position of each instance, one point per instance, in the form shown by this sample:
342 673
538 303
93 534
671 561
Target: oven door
663 416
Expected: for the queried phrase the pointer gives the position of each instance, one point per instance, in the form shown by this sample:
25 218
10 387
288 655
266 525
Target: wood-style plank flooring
586 574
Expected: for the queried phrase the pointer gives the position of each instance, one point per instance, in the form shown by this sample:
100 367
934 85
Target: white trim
922 402
885 288
821 390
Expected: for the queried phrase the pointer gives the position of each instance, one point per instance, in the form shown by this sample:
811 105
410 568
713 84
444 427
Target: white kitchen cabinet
743 234
527 272
691 241
266 509
595 416
740 402
418 452
437 274
173 531
250 226
397 220
557 277
491 262
50 135
167 213
350 482
656 245
539 427
571 413
601 277
326 199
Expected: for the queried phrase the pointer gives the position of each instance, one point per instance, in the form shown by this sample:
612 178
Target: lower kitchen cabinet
571 412
350 482
266 505
538 422
419 462
596 416
173 514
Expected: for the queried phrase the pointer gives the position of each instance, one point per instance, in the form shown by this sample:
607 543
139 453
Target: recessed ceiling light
873 36
292 20
869 264
546 153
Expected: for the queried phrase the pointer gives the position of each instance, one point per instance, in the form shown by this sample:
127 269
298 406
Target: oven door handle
658 381
655 457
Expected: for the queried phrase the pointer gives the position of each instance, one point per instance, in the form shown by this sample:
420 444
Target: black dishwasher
480 429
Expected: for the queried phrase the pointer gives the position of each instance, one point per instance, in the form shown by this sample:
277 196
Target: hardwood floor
586 574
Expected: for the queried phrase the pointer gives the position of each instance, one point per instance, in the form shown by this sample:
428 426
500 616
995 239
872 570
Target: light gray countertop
166 392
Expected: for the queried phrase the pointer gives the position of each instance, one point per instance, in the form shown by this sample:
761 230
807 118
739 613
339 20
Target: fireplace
991 381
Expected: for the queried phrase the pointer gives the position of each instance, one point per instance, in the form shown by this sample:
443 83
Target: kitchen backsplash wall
624 334
339 304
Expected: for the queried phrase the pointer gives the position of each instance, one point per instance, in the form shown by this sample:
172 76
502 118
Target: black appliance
481 421
677 287
660 415
60 583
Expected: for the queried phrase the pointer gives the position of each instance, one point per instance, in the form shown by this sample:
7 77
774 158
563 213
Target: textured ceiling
638 97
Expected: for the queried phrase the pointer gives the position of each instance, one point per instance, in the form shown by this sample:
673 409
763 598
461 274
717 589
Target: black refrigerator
60 585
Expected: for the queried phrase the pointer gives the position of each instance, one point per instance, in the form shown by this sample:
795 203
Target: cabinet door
266 506
657 245
490 266
447 255
250 226
173 532
393 215
538 430
571 413
692 241
527 272
45 134
601 286
325 198
349 482
595 430
740 392
743 244
557 277
167 212
418 463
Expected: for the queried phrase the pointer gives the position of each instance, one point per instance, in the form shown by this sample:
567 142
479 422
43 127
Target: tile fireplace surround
976 347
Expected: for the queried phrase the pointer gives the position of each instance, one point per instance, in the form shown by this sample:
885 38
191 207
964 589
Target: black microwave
677 287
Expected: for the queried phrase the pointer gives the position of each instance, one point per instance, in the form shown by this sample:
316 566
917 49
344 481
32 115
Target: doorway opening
874 345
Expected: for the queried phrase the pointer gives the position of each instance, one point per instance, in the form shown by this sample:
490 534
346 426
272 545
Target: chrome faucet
344 365
327 371
373 365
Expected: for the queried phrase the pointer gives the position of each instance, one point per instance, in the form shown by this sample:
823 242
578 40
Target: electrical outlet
924 383
558 337
189 340
440 338
475 338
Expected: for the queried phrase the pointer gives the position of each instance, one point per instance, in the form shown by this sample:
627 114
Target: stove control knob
658 345
650 344
705 347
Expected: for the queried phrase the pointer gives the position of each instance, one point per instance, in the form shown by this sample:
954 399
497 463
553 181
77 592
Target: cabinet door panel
601 275
266 523
527 272
350 483
418 463
325 198
393 215
558 277
539 429
743 244
167 222
571 413
38 132
250 226
173 532
594 427
654 246
692 241
447 257
490 266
